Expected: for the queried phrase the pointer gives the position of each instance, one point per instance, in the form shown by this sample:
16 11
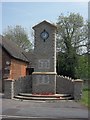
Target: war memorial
44 81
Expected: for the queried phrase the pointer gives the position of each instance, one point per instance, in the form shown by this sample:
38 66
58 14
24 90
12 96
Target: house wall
5 57
0 69
17 69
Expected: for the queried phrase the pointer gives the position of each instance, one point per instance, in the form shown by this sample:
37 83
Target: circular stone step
38 95
26 96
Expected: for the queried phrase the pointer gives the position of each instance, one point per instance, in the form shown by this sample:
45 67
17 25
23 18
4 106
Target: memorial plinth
44 75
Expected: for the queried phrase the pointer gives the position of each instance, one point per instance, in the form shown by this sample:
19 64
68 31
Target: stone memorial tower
44 75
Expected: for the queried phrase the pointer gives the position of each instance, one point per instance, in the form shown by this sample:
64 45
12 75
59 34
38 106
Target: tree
71 40
19 36
82 69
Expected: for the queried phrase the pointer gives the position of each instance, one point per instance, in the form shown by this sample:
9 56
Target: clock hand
45 35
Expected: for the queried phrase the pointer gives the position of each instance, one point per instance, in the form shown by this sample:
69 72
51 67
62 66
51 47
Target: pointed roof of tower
44 21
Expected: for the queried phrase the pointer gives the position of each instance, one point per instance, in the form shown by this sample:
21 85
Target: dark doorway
29 71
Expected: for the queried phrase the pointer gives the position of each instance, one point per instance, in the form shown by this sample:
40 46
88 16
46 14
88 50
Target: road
41 110
43 119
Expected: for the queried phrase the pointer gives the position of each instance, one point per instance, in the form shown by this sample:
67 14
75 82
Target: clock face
44 35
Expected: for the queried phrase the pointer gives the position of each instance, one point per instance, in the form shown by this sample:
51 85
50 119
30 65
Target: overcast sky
27 14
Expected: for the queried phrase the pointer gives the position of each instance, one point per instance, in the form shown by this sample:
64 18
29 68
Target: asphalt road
41 110
42 119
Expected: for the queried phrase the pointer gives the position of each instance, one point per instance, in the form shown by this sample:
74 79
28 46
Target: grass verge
85 97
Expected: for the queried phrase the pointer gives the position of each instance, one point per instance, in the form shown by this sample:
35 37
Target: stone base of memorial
44 83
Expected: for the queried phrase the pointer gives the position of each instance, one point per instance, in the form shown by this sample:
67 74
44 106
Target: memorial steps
26 96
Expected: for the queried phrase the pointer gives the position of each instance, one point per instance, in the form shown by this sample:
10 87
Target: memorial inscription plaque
43 64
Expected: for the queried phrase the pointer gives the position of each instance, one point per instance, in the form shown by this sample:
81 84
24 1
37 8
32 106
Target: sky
28 14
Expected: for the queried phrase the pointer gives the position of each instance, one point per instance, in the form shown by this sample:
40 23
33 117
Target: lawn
85 97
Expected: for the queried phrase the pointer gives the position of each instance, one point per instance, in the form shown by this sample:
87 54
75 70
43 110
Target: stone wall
64 85
13 87
9 88
23 85
78 86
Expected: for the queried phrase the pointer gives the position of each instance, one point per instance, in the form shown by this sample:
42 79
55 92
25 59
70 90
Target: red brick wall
17 69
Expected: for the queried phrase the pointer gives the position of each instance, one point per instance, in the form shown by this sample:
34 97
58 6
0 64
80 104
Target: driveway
43 110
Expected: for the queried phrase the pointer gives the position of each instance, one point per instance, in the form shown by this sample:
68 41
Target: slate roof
13 50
